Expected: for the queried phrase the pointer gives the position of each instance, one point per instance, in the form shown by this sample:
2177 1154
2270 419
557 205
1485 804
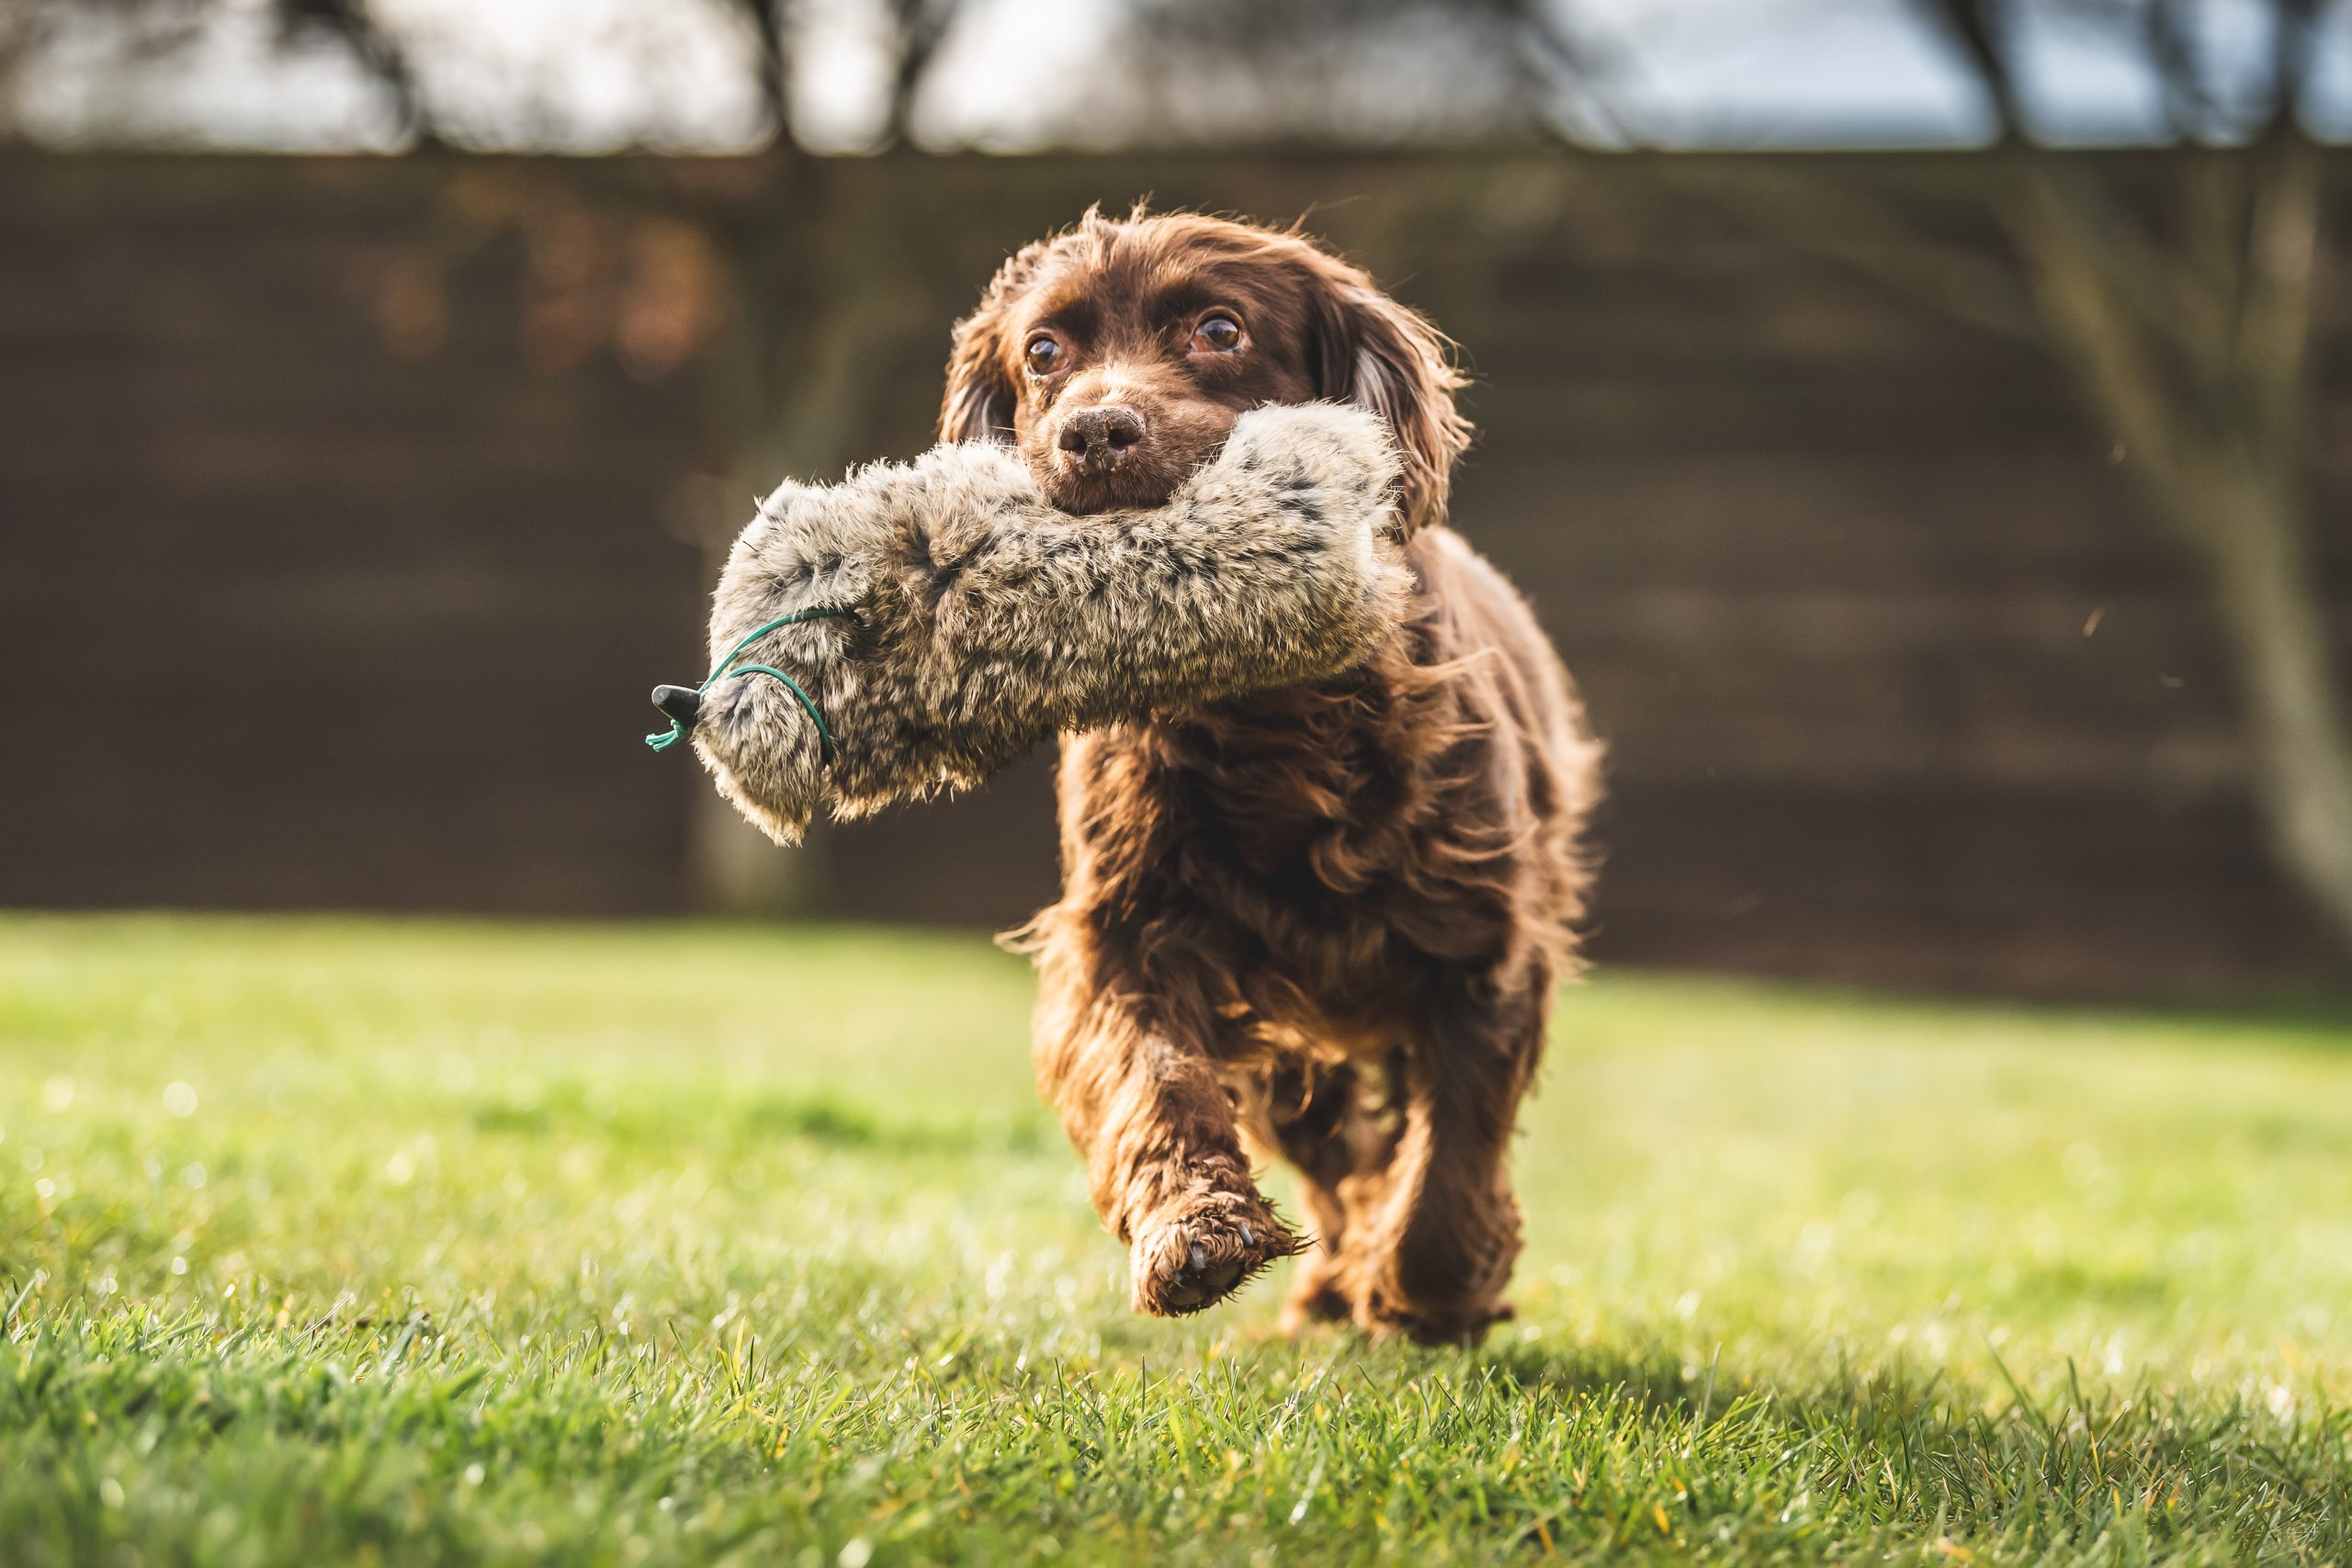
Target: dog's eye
1044 356
1219 334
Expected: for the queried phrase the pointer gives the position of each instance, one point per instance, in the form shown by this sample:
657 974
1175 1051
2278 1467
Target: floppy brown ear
982 396
1378 355
978 404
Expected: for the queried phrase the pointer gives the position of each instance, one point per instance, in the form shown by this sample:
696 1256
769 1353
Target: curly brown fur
984 620
1322 921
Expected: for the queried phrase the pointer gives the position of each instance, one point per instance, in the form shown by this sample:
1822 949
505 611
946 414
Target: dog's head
1116 355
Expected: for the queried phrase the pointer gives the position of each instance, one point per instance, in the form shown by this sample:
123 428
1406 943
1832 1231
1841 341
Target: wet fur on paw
1444 1288
1205 1252
1457 1327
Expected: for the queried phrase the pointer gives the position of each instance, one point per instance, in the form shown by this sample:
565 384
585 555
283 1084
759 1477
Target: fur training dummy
940 617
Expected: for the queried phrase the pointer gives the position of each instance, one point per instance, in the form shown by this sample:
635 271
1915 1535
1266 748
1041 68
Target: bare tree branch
2189 110
2294 32
2273 343
771 22
1876 240
1976 26
2074 281
140 29
1304 70
921 28
352 25
1556 66
2194 349
2171 303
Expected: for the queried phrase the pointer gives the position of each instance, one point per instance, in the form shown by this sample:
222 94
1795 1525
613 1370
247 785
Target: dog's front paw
1202 1252
1459 1324
1438 1275
1319 1295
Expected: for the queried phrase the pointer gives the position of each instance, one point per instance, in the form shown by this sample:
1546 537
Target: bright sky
595 75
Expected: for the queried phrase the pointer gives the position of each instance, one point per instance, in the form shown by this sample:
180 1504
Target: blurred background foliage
2140 198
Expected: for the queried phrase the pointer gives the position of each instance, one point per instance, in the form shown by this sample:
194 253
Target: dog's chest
1301 795
1297 839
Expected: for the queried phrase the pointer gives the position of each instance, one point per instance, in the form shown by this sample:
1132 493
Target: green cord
677 731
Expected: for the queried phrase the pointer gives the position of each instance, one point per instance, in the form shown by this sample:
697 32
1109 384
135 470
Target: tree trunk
731 866
829 301
2193 349
2274 615
2198 365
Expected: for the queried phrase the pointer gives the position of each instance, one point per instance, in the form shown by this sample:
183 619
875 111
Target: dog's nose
1099 437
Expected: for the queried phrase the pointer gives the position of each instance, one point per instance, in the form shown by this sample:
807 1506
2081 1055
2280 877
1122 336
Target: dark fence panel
291 620
345 510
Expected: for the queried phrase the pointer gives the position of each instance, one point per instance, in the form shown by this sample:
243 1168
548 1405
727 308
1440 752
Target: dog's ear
1370 351
981 395
979 400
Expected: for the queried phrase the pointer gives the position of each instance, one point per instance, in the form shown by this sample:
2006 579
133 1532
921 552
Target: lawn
327 1242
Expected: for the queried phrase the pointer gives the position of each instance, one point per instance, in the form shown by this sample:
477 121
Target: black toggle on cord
684 704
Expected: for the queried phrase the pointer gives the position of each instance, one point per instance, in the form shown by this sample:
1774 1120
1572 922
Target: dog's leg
1142 1103
1448 1232
1315 1111
1321 1119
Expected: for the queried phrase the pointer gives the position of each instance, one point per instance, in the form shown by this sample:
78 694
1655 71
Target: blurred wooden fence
348 508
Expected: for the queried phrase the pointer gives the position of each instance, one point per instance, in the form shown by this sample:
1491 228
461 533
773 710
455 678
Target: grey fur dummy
982 620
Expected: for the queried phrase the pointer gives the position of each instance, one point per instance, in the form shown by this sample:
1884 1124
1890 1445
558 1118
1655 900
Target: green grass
350 1242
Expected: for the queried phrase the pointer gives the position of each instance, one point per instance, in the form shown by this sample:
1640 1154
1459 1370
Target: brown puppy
1329 918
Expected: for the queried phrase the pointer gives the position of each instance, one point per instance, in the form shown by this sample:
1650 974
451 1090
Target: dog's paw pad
1203 1254
1200 1283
